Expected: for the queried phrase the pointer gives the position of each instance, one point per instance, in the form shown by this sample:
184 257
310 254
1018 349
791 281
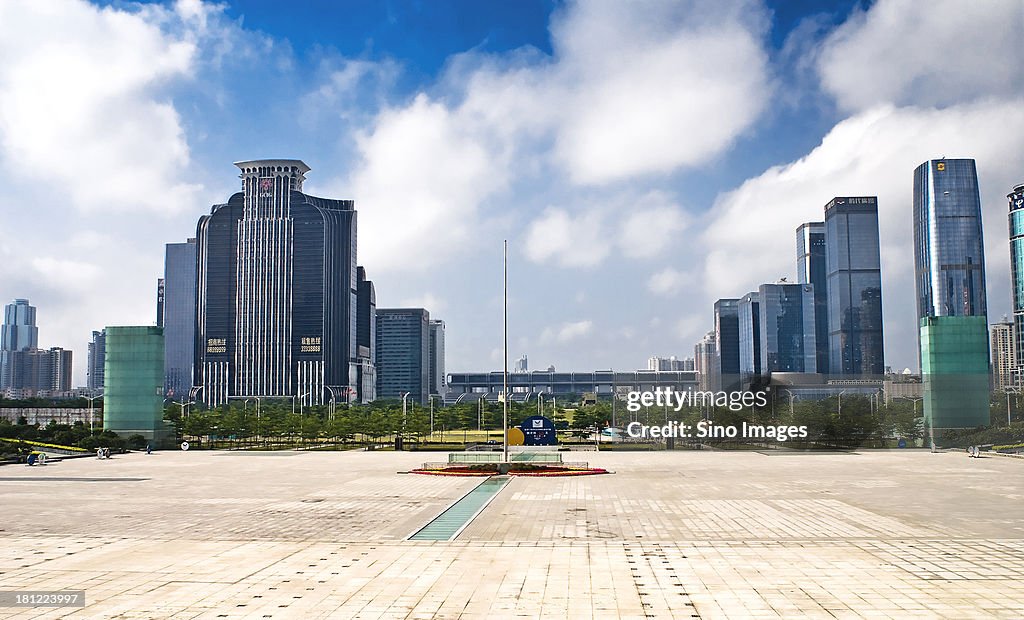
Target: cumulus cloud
629 92
668 282
903 52
567 331
81 104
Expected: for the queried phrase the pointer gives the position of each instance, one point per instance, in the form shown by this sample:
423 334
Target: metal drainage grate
452 521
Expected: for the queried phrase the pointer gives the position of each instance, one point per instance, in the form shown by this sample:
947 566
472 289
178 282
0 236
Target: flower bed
521 470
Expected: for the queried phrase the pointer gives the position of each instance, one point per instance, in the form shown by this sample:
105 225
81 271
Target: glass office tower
179 317
1016 199
812 268
749 321
18 333
276 306
788 341
725 373
949 265
854 283
403 353
133 382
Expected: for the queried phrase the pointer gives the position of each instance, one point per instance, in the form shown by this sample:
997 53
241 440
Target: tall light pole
183 404
331 390
405 396
504 427
1009 390
432 416
91 421
841 403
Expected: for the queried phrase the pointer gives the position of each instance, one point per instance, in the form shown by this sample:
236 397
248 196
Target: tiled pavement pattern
670 535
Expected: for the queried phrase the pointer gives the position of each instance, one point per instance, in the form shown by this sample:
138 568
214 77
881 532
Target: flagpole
505 375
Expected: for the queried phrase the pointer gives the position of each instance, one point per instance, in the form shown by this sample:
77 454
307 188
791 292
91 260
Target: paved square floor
876 534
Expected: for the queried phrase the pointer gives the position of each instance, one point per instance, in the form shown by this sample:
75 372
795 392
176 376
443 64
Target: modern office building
1016 217
1004 355
949 265
276 308
812 268
438 379
704 359
725 371
854 284
134 382
749 321
178 317
18 333
366 338
403 353
528 386
788 328
96 361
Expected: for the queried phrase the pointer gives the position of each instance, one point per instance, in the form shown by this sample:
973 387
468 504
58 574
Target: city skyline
632 199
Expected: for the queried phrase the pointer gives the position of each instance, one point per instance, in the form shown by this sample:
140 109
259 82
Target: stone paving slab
670 535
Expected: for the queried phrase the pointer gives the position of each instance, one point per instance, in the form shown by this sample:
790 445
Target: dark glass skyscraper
276 291
1016 199
949 267
812 268
403 353
178 318
787 328
366 337
725 374
854 283
97 357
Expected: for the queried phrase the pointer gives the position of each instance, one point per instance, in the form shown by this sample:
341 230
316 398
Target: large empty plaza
879 534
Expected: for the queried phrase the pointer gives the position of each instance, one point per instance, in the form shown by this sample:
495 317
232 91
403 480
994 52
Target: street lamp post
404 414
331 390
432 416
1008 391
91 415
841 403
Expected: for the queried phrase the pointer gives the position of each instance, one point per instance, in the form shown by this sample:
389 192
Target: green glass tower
954 363
133 387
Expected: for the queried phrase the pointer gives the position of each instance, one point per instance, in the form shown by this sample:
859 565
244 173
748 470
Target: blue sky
643 159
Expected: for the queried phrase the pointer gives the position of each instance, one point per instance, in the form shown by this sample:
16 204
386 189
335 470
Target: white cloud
566 240
629 92
649 88
433 304
567 332
652 227
937 53
750 238
81 104
668 282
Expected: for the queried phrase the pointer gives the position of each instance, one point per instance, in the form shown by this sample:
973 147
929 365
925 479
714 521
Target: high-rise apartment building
403 353
669 364
725 371
788 328
949 265
749 321
812 268
437 375
704 360
276 291
97 354
854 284
18 333
178 317
521 365
1016 216
1004 355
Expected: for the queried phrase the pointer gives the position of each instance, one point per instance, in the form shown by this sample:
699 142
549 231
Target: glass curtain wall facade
949 265
18 333
366 337
854 283
788 342
725 374
749 312
437 376
276 304
179 317
812 268
97 355
134 382
1016 217
403 353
